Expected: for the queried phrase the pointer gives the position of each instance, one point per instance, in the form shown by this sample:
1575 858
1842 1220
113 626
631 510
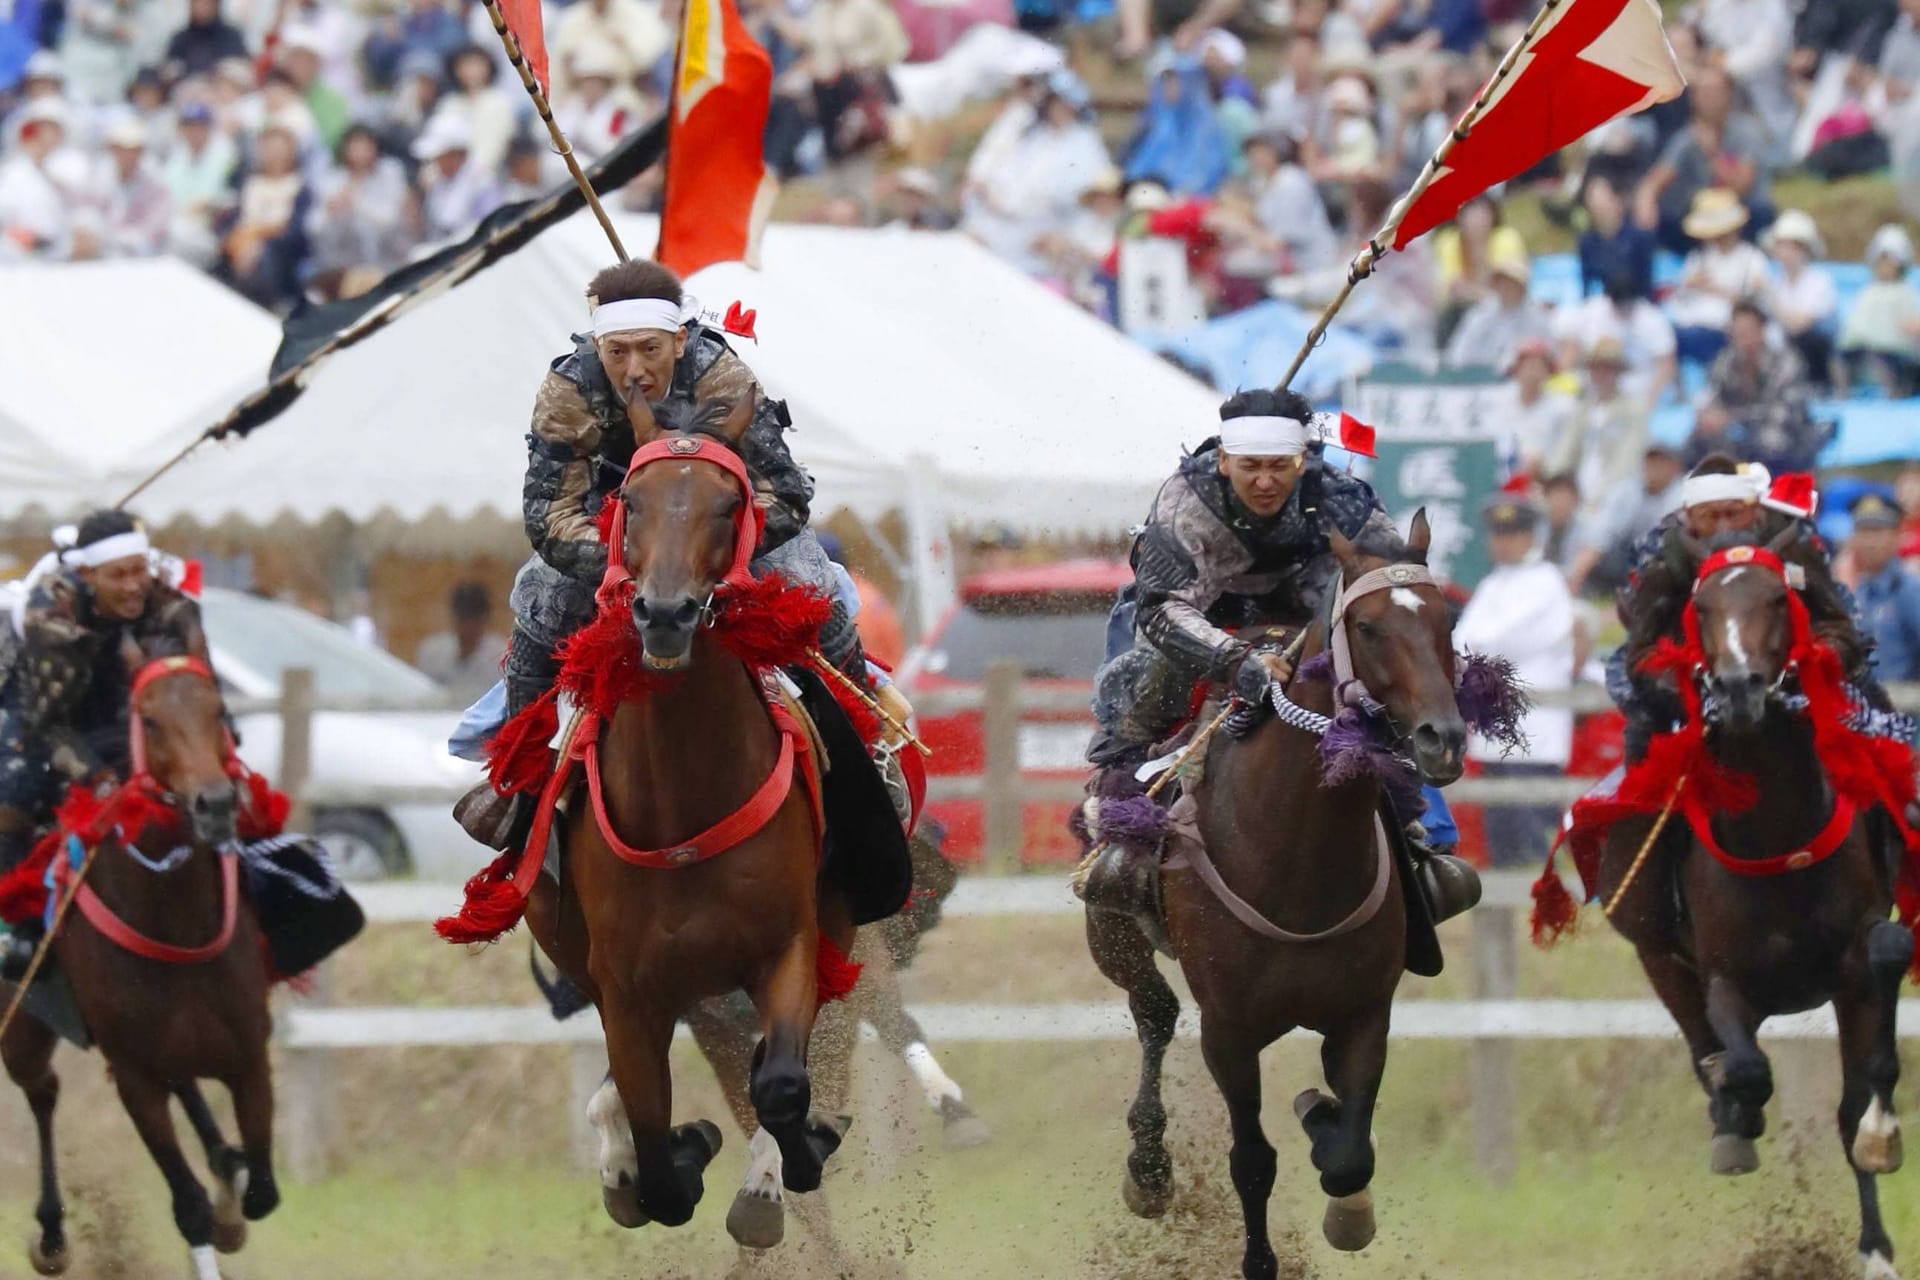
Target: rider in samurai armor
1238 536
1725 503
645 347
87 609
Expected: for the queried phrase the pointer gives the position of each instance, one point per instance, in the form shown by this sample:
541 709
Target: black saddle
867 857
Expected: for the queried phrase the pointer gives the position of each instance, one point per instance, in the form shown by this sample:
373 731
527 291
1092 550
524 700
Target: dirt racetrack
457 1162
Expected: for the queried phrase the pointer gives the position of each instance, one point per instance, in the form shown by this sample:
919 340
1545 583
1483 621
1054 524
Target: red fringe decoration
835 975
519 757
1555 913
493 905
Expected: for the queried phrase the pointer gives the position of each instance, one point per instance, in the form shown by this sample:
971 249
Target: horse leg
1681 991
147 1101
1235 1065
27 1048
1125 956
1739 1078
227 1164
1870 1062
781 1090
662 1182
253 1110
1354 1058
724 1030
900 1034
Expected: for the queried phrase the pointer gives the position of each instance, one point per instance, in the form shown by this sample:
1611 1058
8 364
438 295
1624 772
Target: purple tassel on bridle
1355 748
1492 700
1134 820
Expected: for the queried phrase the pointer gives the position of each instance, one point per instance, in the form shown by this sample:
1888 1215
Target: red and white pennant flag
1590 62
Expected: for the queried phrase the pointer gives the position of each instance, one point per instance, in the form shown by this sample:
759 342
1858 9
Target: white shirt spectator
1289 208
1737 271
454 205
34 211
136 210
1809 298
1645 334
1756 36
1524 613
629 32
1532 430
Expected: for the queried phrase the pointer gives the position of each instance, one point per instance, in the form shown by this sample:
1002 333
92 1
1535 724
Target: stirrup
1121 878
501 823
886 759
1451 884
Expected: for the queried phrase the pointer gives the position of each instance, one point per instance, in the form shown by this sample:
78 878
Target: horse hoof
709 1135
1348 1225
1734 1155
622 1204
1142 1201
1307 1101
1877 1266
961 1127
756 1222
229 1237
48 1262
1876 1143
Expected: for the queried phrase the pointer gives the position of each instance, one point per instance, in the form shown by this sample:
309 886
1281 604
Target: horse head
1745 625
180 739
690 525
1401 644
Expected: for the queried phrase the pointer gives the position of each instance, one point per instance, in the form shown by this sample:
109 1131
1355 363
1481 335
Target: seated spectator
1607 540
147 103
1424 121
1522 612
1906 494
133 203
266 243
455 192
364 215
1033 187
1287 205
1851 28
1395 308
1463 257
1560 497
1606 434
1802 297
428 27
279 105
1086 255
1888 591
40 181
300 58
851 45
465 659
1757 402
1717 149
529 175
204 43
917 202
44 80
1223 56
1179 142
106 41
1723 268
1636 326
630 33
597 110
1501 321
1611 243
1879 341
492 113
1291 106
1753 39
199 178
1533 417
1348 147
413 102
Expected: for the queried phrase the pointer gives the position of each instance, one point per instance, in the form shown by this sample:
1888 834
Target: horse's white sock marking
206 1264
1406 598
1879 1122
1877 1266
764 1167
938 1084
617 1156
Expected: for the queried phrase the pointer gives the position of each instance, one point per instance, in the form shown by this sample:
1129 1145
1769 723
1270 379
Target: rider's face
642 360
1711 519
1262 484
120 587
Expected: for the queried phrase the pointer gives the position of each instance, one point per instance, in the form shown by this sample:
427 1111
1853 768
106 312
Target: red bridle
159 669
748 523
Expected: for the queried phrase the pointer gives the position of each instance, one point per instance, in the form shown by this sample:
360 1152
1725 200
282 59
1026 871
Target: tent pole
1376 248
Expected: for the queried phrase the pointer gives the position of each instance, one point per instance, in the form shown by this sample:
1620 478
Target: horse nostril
676 615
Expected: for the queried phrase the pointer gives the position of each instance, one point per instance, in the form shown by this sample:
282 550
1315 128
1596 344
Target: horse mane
705 419
1385 544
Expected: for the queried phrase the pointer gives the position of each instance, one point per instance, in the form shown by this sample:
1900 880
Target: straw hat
1606 350
1107 182
1531 347
1349 94
1513 264
1795 226
1716 211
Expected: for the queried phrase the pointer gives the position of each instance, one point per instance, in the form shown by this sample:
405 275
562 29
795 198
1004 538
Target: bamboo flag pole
1376 248
528 81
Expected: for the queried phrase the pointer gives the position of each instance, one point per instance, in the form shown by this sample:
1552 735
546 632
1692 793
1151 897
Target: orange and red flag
718 191
523 19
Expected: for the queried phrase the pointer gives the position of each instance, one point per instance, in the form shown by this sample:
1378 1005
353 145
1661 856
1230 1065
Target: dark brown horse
649 945
1726 950
164 1026
1305 856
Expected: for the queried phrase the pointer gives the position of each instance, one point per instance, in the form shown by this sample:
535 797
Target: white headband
121 546
1745 486
1270 437
637 313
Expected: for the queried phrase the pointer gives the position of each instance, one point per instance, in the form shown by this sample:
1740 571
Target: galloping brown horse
649 943
163 1025
1776 908
1306 856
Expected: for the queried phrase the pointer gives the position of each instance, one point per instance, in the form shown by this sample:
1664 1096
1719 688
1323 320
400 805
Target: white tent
900 353
102 364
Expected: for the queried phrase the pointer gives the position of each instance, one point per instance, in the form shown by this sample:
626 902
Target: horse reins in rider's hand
46 944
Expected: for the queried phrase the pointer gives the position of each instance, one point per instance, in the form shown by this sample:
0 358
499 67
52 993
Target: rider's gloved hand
1251 680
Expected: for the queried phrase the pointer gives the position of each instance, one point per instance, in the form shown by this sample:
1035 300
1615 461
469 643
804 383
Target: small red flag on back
1591 61
718 191
523 19
1356 436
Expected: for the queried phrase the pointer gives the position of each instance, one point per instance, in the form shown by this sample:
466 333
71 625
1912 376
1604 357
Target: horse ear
640 417
1419 537
738 419
1342 546
1784 539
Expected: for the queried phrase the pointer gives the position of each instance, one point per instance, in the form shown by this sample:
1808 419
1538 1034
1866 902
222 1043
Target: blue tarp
1252 348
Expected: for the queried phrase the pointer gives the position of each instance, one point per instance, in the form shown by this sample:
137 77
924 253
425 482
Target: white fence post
1491 1061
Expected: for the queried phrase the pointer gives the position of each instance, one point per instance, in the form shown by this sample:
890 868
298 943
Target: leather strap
127 938
1194 855
740 825
1385 578
1823 845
